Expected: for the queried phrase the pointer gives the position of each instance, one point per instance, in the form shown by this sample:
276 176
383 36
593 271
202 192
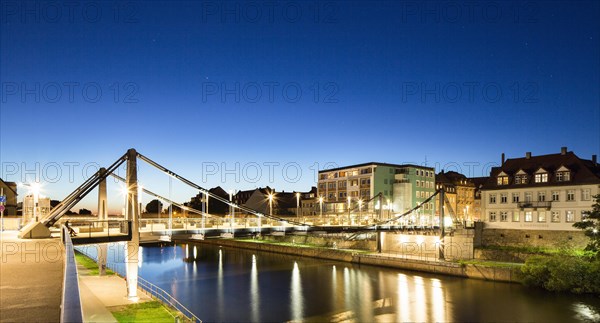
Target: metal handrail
70 308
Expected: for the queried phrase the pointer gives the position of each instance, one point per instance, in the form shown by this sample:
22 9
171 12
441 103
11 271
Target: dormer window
563 174
502 179
541 176
521 177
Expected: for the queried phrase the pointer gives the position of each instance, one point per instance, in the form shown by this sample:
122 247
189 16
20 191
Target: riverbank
490 271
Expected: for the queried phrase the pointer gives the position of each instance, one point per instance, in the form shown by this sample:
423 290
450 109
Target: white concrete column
133 216
102 216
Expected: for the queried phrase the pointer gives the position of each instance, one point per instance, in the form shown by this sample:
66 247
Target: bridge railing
104 227
71 310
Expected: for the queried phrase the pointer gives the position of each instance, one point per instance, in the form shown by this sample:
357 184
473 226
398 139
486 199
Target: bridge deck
31 276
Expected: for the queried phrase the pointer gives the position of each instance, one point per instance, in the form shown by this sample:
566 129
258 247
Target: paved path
31 277
99 293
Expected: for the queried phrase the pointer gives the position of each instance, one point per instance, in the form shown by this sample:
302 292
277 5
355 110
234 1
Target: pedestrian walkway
31 278
100 293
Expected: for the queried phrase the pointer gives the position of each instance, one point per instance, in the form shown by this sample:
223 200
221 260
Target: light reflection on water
222 284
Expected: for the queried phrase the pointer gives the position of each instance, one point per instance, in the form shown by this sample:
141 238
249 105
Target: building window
541 178
555 216
563 176
502 180
331 185
571 195
528 216
541 196
504 198
555 196
516 217
515 197
528 196
504 216
585 194
570 216
492 198
492 216
521 179
541 216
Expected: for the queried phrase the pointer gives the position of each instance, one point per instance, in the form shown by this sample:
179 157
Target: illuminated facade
547 192
373 187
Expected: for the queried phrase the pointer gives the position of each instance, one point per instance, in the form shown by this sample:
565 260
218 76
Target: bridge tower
133 214
102 216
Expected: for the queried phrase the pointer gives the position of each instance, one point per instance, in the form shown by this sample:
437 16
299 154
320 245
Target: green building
402 187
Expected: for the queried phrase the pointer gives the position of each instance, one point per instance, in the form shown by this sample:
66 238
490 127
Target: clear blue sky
194 84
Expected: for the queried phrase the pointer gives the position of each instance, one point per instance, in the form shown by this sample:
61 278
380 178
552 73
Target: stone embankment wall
377 259
533 238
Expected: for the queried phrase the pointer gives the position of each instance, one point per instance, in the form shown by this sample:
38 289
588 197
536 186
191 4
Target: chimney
563 150
594 159
528 155
502 160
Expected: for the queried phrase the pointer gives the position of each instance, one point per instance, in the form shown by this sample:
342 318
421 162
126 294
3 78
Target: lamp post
321 207
231 224
270 196
349 203
298 204
360 202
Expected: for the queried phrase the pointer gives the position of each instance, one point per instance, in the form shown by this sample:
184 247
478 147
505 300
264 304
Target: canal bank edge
508 274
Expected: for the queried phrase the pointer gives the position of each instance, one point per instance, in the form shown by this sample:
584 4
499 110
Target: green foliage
152 311
591 226
90 264
563 273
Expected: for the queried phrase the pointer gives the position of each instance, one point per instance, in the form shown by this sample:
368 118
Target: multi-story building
9 190
33 211
401 187
478 182
547 192
460 192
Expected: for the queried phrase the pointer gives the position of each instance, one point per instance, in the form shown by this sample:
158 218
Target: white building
547 192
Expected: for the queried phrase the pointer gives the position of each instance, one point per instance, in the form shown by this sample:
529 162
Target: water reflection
222 284
296 301
254 292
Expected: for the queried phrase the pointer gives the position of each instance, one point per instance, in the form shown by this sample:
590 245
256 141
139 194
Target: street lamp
271 196
297 204
360 202
321 204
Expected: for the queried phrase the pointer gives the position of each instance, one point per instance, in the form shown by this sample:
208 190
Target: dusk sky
295 85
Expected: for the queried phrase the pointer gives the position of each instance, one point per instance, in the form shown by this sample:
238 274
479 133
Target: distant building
547 192
33 212
214 206
309 202
460 192
401 187
10 191
478 183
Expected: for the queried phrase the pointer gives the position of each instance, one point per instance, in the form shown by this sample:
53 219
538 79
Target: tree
591 226
154 206
85 212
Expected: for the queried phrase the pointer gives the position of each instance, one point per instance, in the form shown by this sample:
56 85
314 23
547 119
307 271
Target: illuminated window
570 216
563 176
502 180
541 216
528 216
541 178
521 179
516 217
555 216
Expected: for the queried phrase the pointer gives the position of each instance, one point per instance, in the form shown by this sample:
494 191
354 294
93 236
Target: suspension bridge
202 224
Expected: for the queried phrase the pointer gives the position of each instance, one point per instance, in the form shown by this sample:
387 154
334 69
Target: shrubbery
563 273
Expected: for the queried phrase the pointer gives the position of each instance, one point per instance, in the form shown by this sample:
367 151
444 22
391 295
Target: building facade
9 189
375 187
547 192
460 192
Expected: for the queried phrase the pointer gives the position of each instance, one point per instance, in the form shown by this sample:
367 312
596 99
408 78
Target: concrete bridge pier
133 246
102 216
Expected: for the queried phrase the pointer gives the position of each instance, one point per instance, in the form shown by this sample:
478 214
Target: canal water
225 284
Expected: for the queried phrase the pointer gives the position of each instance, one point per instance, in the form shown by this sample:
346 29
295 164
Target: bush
563 273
